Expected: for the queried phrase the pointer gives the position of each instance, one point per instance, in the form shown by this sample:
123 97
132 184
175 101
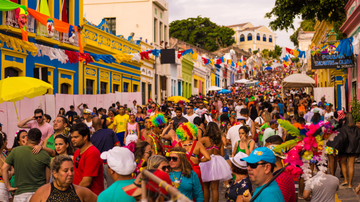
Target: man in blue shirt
281 107
260 166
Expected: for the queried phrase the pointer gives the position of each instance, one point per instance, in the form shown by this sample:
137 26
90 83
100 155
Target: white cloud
228 12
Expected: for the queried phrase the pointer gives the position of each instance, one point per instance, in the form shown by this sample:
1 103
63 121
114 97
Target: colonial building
304 38
47 61
250 38
351 27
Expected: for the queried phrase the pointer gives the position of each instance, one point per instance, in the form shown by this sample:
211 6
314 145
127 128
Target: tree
203 33
286 11
255 51
306 25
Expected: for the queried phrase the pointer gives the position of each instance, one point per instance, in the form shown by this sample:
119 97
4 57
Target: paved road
345 194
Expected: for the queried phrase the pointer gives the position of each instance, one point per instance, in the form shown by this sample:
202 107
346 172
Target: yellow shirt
120 122
112 124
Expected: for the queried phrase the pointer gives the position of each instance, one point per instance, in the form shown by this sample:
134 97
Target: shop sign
326 61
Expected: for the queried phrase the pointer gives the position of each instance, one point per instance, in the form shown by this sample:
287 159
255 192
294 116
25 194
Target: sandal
344 183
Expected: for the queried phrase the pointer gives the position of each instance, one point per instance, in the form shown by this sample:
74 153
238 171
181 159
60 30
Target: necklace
177 182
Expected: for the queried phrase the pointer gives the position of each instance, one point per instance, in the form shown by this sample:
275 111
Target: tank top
132 128
139 119
68 195
242 150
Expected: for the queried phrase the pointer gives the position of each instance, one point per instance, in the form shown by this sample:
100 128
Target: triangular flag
64 13
194 56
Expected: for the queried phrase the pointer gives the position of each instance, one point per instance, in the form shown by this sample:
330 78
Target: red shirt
287 186
94 168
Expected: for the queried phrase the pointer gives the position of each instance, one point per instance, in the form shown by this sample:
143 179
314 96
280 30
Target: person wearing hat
88 120
284 180
242 182
225 110
322 103
260 166
270 131
120 165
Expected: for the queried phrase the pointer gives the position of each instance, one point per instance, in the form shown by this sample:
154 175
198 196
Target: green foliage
202 32
355 110
265 53
255 51
285 11
295 60
306 25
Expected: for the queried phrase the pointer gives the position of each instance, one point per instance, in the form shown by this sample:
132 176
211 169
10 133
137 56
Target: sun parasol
214 88
176 99
13 89
242 81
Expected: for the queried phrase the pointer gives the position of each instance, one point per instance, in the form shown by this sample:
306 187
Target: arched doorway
11 72
64 88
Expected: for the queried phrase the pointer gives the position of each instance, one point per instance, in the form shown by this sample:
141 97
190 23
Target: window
135 88
258 37
149 91
161 15
115 88
155 23
126 87
249 37
270 38
89 86
103 86
143 92
249 50
155 11
259 49
165 33
242 38
160 31
264 37
64 88
195 83
111 22
11 72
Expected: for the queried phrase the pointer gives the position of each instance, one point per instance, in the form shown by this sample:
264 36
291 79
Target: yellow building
323 76
250 38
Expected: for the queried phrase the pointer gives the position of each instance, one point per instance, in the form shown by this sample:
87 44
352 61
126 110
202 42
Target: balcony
10 24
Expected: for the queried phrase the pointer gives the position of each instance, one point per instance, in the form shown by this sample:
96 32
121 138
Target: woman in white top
328 112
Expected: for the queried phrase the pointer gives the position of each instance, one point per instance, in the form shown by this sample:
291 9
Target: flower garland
308 149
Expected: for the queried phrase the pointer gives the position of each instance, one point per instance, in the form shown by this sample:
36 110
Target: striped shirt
286 185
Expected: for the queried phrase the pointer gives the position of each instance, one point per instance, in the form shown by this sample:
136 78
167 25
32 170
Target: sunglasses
173 158
161 127
233 113
37 117
77 161
164 168
255 165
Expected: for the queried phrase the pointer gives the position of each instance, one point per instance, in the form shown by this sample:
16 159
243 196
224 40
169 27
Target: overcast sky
229 12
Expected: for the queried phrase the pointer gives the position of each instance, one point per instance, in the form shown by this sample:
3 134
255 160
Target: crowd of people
212 141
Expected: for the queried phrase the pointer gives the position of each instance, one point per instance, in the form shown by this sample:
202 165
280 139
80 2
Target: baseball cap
225 109
120 159
237 162
316 110
214 111
181 102
260 154
273 122
241 118
134 190
314 104
87 111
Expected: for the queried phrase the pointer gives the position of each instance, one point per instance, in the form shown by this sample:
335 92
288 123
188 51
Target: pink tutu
215 169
